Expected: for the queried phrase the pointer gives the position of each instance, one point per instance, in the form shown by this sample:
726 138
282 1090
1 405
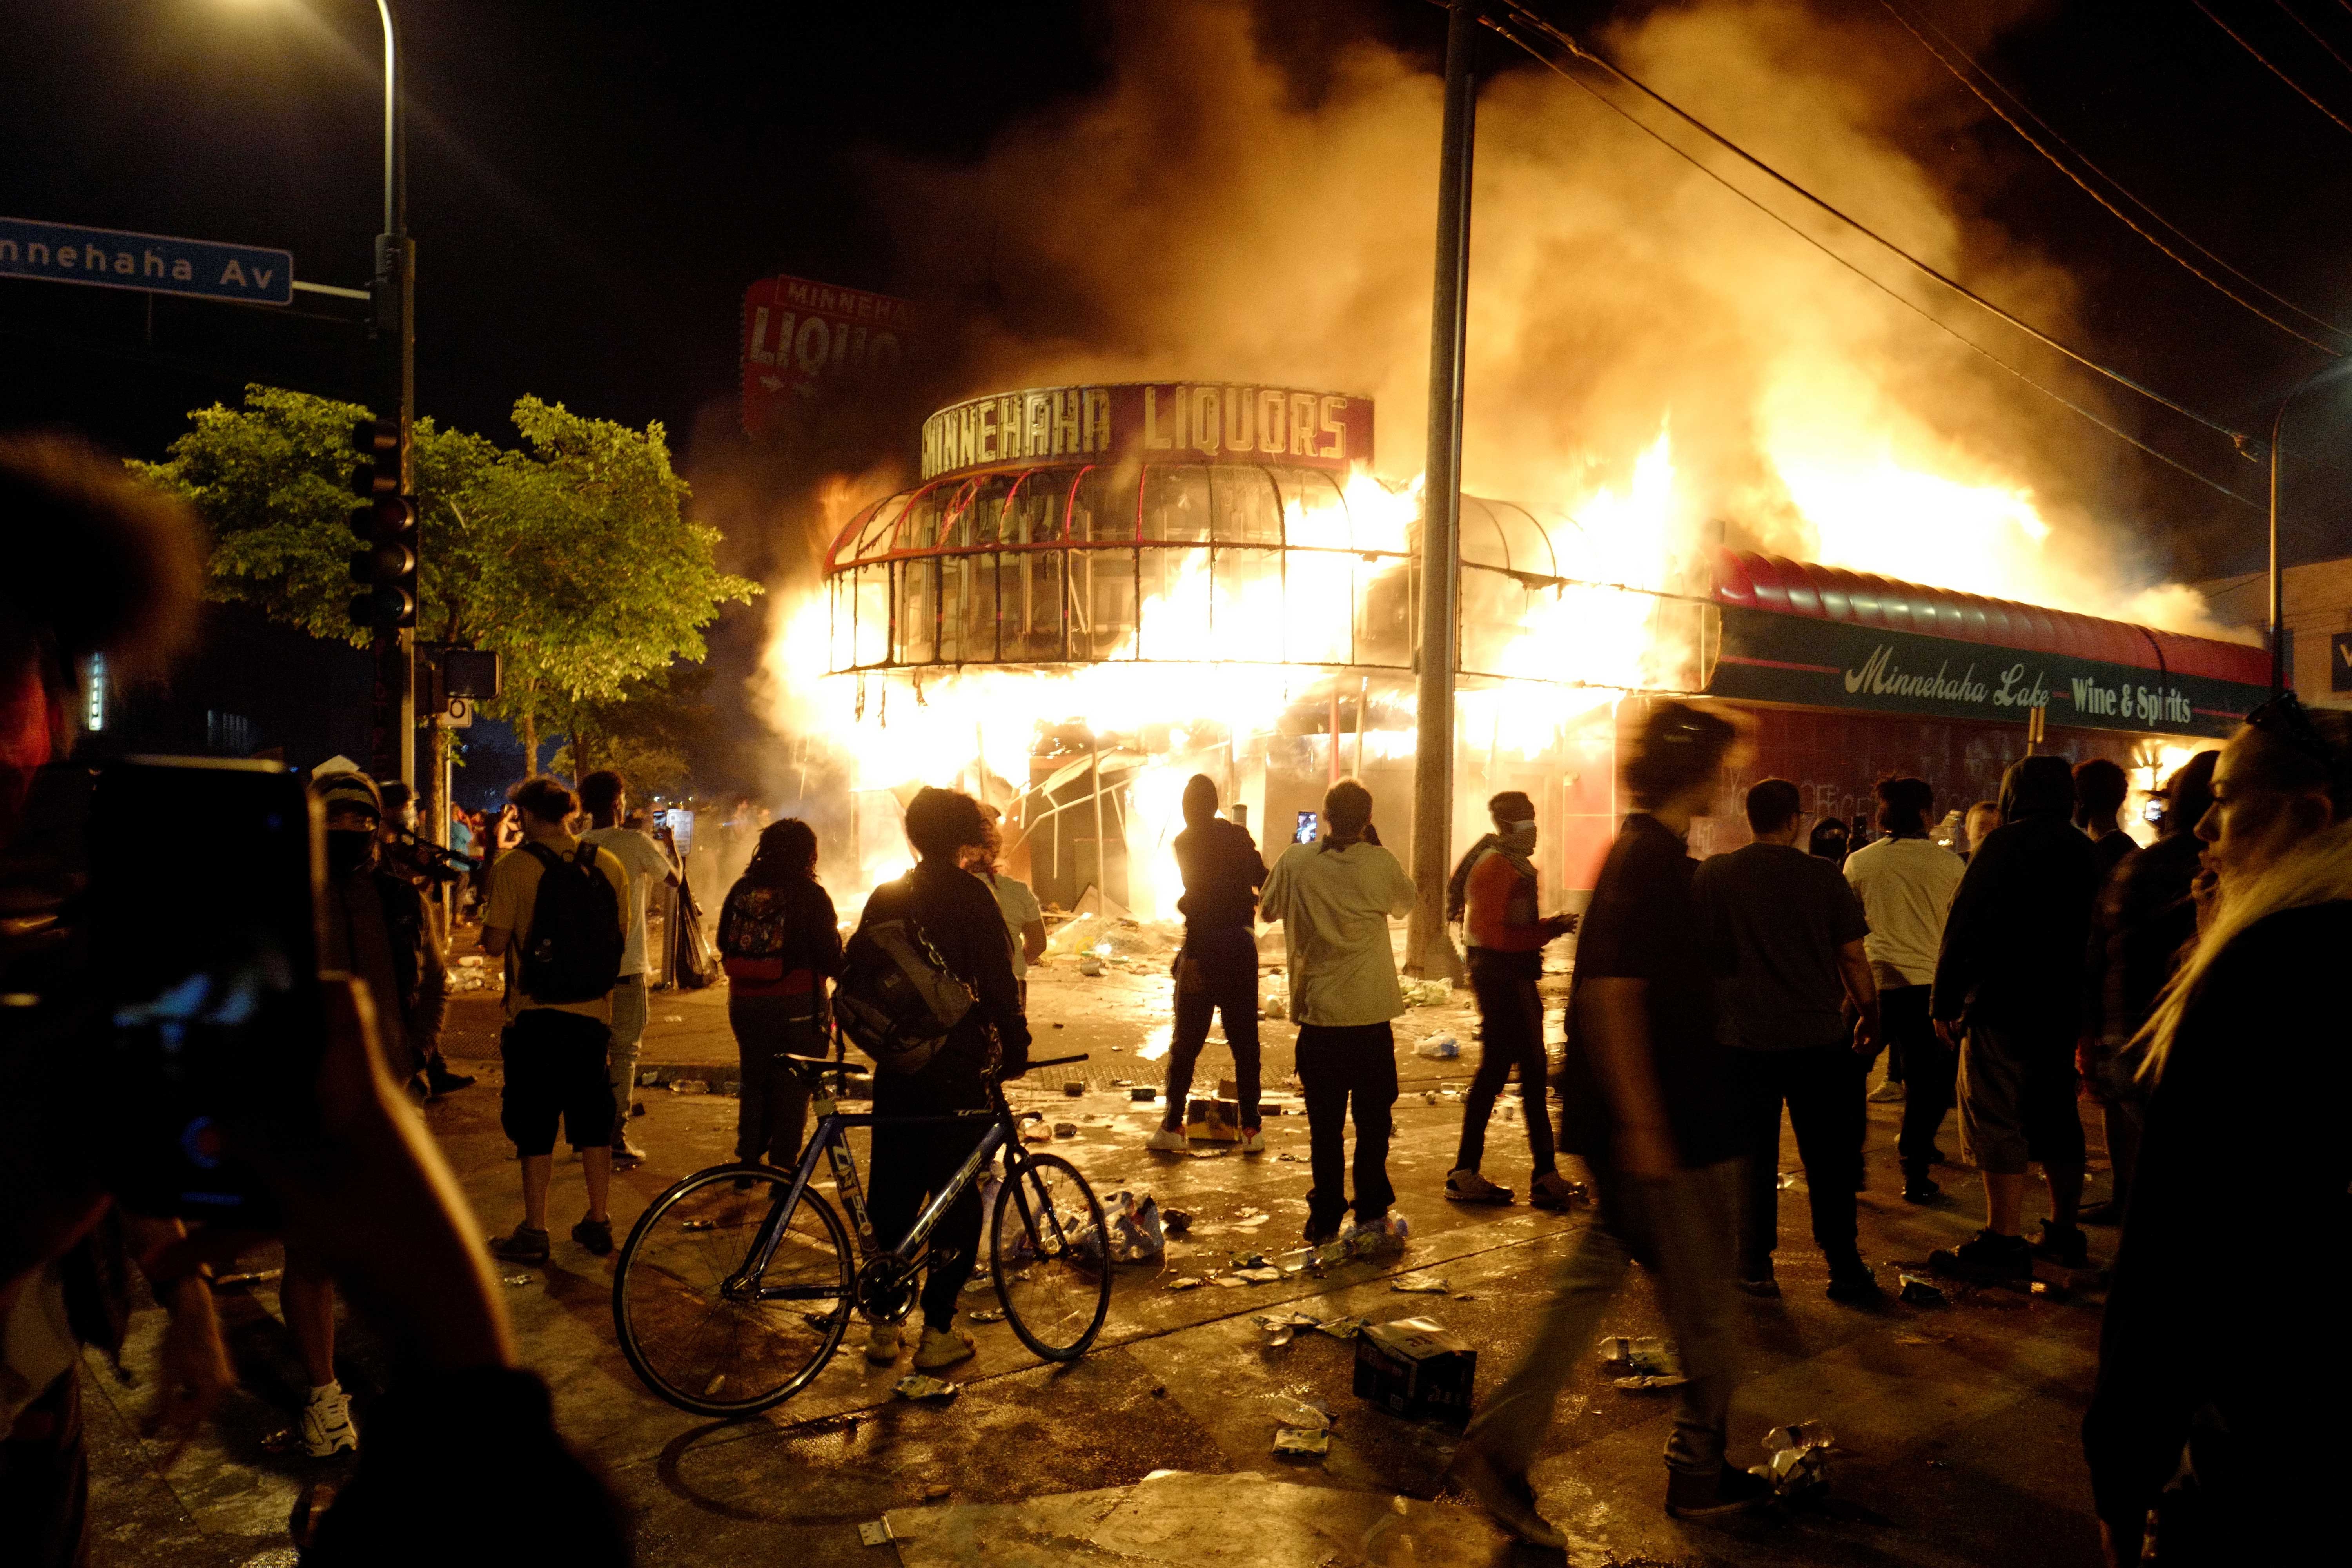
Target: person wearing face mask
381 928
2225 1453
376 928
1506 942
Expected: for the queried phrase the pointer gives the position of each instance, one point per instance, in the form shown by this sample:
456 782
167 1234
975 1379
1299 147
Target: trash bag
698 960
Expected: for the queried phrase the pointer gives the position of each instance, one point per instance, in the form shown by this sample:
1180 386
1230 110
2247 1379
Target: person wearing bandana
1507 939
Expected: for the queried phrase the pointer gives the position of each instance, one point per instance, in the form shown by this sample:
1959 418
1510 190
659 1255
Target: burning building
1097 592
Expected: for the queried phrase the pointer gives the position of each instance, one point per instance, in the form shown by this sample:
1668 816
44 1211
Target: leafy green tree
573 557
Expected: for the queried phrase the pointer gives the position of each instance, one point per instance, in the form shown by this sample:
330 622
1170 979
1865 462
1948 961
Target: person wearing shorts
557 1053
2008 994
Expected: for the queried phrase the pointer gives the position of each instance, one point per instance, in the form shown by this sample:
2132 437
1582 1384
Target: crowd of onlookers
2184 990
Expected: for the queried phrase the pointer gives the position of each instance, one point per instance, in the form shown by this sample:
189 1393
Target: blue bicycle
737 1285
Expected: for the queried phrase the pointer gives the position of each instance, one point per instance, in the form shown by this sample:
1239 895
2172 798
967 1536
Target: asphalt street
1955 1424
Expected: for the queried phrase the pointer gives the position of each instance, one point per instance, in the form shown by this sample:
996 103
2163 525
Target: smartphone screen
1308 822
204 886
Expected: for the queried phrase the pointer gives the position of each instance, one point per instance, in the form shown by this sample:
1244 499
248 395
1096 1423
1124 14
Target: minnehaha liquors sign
1153 422
1767 657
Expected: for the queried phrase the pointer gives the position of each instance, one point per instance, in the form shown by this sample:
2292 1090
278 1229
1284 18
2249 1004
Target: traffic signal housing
384 518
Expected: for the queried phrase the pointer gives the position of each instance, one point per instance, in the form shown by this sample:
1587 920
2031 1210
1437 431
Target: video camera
428 858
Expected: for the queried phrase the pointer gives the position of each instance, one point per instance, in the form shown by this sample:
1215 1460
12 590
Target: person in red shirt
1506 942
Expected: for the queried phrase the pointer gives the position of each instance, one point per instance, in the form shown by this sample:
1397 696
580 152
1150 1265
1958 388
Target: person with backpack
604 795
780 942
935 936
1492 891
558 915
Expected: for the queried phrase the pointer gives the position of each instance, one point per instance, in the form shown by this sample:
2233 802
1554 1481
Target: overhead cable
2245 444
2241 42
2202 276
2315 36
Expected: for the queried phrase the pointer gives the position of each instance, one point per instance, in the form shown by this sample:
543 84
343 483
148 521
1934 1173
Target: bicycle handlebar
1059 1061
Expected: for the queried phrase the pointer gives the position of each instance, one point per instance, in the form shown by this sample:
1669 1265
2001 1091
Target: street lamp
2278 574
392 750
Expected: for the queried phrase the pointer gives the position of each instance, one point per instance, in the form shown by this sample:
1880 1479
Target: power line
2056 162
2268 66
2315 36
2245 444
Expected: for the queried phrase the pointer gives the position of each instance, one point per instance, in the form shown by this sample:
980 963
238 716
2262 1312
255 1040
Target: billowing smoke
1220 211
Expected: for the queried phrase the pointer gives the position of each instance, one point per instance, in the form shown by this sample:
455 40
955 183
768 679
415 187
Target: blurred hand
1948 1031
1866 1043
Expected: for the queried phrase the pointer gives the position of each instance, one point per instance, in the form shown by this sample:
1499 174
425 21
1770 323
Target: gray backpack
896 999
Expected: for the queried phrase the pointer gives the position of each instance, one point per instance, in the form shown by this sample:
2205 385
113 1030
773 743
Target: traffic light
385 519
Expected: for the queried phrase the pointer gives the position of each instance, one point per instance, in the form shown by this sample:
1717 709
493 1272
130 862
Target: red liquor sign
801 337
1152 422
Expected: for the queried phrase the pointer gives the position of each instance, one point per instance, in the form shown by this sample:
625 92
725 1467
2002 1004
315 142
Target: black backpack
573 951
896 999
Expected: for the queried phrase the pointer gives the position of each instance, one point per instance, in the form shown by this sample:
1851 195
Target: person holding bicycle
958 916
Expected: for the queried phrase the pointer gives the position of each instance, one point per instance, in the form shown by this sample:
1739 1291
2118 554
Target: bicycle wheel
721 1352
1050 1249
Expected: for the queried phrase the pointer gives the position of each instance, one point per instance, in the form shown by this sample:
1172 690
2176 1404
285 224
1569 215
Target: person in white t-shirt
1334 898
604 795
1906 881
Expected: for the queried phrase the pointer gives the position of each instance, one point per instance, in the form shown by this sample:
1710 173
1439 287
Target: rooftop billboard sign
801 337
1153 422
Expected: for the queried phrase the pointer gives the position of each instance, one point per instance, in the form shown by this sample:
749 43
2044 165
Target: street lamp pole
393 292
1429 950
2279 672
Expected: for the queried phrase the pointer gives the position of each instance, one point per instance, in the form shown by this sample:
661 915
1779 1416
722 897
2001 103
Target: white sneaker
943 1347
1168 1141
882 1343
1888 1092
326 1427
1253 1141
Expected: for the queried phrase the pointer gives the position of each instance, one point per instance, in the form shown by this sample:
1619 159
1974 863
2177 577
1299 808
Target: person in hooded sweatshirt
1216 970
2008 994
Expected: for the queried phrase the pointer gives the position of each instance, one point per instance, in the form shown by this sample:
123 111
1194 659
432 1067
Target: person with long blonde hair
2222 1366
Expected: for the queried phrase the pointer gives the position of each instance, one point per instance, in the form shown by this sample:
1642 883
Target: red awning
1760 582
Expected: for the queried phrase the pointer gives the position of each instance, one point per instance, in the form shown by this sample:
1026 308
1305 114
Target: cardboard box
1415 1369
1214 1121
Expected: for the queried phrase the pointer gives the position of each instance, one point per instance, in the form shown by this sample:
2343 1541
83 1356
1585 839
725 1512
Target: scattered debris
1066 1130
698 1225
918 1386
1801 1456
256 1277
1184 1282
1343 1328
1439 1047
1142 1095
1036 1133
1277 1329
1176 1221
1259 1276
278 1442
985 1315
1420 1285
689 1086
1413 1368
1301 1443
1919 1290
1923 1339
933 1494
1641 1366
1307 1415
1138 1233
874 1533
1074 1088
1792 1182
1429 993
516 1279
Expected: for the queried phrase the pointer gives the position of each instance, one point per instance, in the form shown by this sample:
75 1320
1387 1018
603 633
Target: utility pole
1429 950
392 724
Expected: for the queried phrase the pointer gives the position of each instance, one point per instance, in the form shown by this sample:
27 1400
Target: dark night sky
593 184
